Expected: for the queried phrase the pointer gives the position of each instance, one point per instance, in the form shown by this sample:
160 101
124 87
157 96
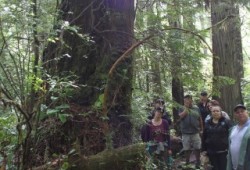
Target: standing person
239 141
215 139
156 134
191 126
204 110
159 103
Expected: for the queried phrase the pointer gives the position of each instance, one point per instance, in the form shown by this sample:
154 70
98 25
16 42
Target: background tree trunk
176 72
156 77
227 54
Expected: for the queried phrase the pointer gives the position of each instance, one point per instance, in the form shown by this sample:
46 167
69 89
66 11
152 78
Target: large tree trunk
227 54
119 86
86 56
105 32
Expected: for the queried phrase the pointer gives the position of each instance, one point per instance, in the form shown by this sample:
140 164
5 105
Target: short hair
214 102
188 96
160 101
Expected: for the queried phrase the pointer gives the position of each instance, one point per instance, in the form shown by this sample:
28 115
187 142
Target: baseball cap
239 106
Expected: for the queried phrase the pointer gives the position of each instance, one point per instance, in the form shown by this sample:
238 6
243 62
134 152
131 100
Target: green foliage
60 90
141 107
19 80
246 85
59 111
99 102
243 2
246 90
21 31
169 44
8 136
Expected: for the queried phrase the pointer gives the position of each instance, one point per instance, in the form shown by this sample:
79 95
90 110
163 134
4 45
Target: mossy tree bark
128 157
104 32
119 85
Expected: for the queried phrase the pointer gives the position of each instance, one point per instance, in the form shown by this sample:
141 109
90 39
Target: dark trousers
218 161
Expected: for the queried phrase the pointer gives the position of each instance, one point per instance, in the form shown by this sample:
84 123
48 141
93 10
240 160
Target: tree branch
126 53
129 51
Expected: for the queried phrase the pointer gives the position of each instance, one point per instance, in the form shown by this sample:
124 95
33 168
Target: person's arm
183 113
225 115
201 125
229 123
145 133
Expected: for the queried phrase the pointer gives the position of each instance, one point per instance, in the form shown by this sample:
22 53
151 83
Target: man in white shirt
239 141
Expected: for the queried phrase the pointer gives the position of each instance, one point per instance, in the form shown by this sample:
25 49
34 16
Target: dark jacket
204 111
215 136
147 136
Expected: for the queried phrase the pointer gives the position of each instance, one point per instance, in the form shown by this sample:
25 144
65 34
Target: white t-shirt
235 142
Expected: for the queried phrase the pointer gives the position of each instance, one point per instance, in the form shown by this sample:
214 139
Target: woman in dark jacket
215 139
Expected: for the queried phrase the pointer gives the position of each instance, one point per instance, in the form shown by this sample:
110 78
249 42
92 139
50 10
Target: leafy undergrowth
82 132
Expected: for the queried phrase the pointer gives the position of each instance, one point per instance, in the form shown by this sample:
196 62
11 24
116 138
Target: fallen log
127 157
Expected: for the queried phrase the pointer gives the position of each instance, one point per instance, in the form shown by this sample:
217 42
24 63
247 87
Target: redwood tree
227 53
94 35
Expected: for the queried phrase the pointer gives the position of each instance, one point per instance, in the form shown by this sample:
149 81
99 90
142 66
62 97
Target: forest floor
180 164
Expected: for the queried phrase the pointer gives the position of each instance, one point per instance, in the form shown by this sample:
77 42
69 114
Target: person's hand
201 132
169 152
204 153
184 112
186 109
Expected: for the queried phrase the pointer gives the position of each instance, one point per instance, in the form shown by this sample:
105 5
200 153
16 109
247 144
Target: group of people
205 129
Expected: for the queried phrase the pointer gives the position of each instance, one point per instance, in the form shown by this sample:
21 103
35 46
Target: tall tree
119 85
227 53
175 46
94 35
